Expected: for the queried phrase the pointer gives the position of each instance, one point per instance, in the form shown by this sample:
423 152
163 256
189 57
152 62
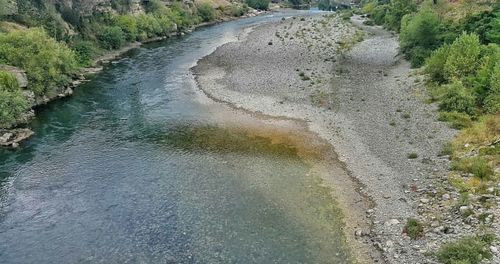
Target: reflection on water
134 169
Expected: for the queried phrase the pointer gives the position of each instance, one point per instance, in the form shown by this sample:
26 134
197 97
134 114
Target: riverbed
139 166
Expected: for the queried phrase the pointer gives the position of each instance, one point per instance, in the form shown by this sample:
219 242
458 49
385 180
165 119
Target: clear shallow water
135 169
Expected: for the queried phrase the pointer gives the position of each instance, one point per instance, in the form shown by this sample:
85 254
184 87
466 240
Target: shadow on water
133 169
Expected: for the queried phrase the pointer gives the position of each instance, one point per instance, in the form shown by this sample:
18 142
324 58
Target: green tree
463 57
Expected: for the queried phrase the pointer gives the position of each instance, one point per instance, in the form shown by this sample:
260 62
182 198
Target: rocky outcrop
12 137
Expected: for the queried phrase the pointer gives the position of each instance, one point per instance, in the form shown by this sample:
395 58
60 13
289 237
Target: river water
140 167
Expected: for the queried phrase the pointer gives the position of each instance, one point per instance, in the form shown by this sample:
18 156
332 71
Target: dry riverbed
366 102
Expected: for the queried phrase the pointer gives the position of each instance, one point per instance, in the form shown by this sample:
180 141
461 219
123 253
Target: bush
148 26
206 11
85 52
396 10
457 98
413 228
48 64
419 35
434 65
470 250
258 4
128 25
238 10
112 37
485 24
492 103
13 104
378 14
463 57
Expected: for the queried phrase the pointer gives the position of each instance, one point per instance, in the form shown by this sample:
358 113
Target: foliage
84 51
413 228
485 24
13 104
470 250
463 57
206 11
419 35
48 63
258 4
457 120
396 10
112 37
378 14
475 165
458 99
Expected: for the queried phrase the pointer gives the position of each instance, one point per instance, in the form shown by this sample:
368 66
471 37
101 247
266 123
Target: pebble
392 222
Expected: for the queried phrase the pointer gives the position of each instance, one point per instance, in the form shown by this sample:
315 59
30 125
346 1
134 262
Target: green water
134 169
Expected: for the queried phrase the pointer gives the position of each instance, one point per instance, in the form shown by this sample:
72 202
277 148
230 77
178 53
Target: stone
494 249
6 137
445 197
392 222
424 200
15 145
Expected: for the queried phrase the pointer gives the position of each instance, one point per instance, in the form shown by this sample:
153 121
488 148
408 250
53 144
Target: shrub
148 26
238 10
112 37
457 120
463 57
396 10
491 101
378 14
465 250
206 11
84 51
457 98
48 64
413 228
419 35
434 65
13 104
485 24
128 25
258 4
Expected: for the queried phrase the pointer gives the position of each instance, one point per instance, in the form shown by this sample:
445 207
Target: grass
446 149
470 250
413 228
455 119
412 155
475 165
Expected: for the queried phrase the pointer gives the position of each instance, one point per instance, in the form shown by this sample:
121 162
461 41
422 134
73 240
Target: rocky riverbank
363 99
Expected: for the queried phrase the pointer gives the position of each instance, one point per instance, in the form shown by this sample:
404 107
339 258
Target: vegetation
413 228
13 104
258 4
471 250
49 64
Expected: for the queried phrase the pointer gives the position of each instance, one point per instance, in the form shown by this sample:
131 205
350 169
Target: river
140 167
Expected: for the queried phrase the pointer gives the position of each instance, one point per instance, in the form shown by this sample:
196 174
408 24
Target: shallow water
139 167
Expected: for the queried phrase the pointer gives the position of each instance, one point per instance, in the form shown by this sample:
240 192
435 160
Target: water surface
139 167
